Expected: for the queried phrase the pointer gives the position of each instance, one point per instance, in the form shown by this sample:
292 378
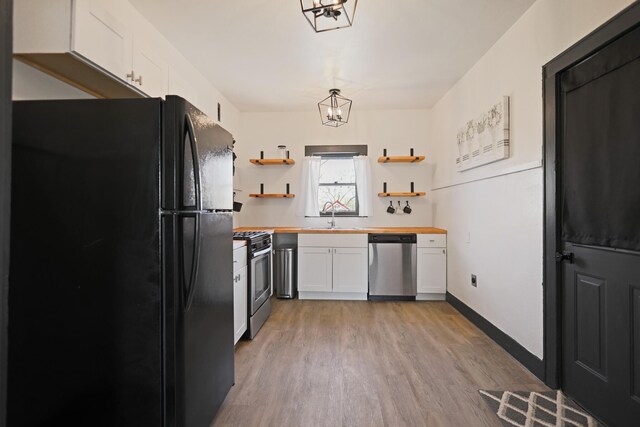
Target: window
337 186
336 180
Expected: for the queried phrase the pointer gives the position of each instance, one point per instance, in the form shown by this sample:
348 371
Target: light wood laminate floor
360 363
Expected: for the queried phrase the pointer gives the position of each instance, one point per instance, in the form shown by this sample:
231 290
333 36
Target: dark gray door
600 226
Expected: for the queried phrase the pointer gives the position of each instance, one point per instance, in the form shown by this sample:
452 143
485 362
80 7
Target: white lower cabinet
432 267
240 300
350 270
335 269
315 269
432 270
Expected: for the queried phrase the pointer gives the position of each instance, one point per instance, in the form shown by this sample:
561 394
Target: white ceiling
263 55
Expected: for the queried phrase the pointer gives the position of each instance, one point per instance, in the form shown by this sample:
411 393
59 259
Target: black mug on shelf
390 208
407 209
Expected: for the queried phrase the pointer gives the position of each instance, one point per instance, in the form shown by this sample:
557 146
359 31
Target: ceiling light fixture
327 15
335 109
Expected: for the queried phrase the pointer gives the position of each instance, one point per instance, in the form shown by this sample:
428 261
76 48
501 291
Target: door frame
6 53
625 21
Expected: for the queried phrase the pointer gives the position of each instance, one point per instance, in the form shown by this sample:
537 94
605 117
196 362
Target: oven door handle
262 252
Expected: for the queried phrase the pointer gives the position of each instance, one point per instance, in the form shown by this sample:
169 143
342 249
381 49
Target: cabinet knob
131 75
139 80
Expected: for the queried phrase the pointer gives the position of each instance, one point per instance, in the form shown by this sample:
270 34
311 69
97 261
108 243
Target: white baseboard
352 296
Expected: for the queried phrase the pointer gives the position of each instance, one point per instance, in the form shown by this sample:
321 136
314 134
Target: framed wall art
485 139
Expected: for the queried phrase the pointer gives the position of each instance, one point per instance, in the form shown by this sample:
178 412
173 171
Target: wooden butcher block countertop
359 230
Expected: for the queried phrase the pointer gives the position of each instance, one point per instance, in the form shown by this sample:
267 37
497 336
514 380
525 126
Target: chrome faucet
332 223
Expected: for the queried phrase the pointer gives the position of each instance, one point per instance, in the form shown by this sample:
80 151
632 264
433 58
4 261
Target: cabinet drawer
239 258
432 240
336 240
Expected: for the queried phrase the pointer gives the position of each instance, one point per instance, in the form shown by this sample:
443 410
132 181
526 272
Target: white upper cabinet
107 41
150 70
109 50
102 38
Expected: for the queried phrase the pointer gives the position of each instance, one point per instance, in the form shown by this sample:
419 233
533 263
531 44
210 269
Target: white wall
30 83
495 223
397 130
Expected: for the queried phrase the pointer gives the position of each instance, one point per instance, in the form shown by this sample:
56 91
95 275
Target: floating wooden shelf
264 162
415 194
273 196
400 159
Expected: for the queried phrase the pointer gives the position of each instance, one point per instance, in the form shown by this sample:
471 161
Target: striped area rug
534 409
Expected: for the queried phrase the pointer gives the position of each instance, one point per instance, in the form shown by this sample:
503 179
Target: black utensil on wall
390 208
407 209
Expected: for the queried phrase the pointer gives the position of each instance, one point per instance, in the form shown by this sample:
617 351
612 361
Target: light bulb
339 112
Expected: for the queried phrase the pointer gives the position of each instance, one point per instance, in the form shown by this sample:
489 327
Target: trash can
285 274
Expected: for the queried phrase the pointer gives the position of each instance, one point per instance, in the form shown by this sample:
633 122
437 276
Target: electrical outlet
474 281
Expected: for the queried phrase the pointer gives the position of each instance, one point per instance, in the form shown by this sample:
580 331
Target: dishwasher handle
393 238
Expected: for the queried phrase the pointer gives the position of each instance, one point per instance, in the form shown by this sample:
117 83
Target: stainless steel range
259 278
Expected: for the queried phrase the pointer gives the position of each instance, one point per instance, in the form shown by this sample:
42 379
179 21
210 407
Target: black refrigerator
121 298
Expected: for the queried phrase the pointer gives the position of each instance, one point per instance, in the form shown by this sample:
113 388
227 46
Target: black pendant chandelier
327 15
335 109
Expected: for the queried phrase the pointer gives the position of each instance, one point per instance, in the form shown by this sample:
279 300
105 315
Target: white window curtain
310 181
363 184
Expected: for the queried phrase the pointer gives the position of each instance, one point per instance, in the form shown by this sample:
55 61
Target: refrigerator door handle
196 160
189 290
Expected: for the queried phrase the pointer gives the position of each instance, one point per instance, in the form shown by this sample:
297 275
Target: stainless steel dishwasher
392 266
